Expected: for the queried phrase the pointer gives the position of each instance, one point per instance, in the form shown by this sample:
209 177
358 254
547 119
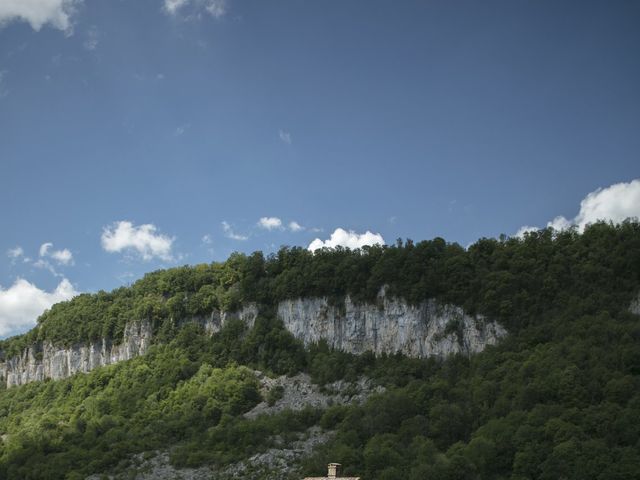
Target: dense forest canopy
558 398
513 280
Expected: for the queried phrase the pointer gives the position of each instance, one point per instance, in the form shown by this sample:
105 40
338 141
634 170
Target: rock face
56 363
388 326
214 322
299 392
48 361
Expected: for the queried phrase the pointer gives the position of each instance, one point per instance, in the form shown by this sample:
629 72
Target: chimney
334 470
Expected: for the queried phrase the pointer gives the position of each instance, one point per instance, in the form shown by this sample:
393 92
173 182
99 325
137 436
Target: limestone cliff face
48 361
390 326
215 321
56 363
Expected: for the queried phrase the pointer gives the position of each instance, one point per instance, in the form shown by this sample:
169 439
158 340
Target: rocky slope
276 463
389 325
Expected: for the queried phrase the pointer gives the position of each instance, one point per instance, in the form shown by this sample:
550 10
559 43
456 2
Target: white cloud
15 252
45 265
62 257
23 302
285 137
295 226
615 203
270 223
181 129
559 223
207 239
349 239
193 8
525 229
37 13
44 249
144 240
229 233
172 6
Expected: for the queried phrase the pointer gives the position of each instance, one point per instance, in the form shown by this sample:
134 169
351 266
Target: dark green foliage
517 281
237 438
566 408
559 398
177 392
275 394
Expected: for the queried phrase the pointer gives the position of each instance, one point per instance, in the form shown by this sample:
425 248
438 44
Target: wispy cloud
285 137
207 239
143 240
62 257
57 13
15 253
194 9
525 229
229 233
46 265
207 242
349 239
92 39
270 223
179 131
295 226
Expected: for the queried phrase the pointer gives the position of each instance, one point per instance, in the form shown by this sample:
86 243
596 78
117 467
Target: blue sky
136 135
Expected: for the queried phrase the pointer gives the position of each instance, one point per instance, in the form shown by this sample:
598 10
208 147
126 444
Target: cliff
48 361
388 326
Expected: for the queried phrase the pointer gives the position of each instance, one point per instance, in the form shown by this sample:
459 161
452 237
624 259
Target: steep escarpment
391 325
47 361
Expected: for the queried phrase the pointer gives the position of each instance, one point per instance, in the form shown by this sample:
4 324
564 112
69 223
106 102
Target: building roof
333 473
332 478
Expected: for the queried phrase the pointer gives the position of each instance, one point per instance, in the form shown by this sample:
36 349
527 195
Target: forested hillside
558 398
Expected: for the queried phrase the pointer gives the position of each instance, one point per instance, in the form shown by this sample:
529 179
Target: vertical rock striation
390 326
46 360
54 362
215 321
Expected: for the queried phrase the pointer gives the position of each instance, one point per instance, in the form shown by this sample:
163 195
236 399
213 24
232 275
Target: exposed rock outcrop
56 363
40 362
299 392
215 321
277 463
282 458
390 325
